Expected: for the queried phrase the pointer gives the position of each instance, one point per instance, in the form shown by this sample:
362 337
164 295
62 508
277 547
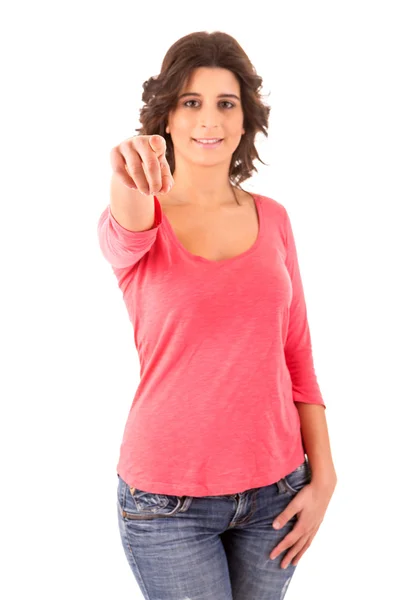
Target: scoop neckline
224 261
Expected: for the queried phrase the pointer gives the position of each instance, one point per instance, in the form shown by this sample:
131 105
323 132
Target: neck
206 187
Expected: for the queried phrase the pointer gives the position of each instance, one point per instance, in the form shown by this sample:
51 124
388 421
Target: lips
208 139
209 144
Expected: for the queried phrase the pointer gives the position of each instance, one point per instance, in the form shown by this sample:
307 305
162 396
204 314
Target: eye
223 102
227 102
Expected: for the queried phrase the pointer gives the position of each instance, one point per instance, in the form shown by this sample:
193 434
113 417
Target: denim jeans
210 547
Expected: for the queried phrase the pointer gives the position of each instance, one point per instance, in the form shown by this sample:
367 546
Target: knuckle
121 172
135 169
152 165
151 161
143 140
164 166
126 144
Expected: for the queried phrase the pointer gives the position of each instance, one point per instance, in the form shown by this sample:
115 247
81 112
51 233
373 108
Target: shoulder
272 207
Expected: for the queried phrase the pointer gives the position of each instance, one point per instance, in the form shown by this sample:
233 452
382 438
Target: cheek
234 134
238 124
183 123
233 126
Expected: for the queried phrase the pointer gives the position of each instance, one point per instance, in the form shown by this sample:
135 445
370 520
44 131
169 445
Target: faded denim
211 547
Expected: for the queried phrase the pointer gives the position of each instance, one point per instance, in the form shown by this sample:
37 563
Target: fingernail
276 525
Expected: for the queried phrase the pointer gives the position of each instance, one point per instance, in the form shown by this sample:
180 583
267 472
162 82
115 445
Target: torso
218 234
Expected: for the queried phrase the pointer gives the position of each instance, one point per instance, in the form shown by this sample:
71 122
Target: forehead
212 79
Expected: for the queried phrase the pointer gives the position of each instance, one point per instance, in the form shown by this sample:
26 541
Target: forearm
314 430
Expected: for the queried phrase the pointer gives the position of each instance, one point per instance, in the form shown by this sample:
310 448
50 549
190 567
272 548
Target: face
210 108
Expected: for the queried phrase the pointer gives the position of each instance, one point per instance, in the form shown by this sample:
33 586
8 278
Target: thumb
158 144
290 511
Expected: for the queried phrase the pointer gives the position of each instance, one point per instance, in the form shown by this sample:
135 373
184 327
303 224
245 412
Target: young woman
225 469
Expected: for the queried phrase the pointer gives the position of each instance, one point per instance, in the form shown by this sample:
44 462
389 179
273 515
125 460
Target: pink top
224 350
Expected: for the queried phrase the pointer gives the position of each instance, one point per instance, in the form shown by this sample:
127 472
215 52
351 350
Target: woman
227 433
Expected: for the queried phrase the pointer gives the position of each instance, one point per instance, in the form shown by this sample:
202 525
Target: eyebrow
219 95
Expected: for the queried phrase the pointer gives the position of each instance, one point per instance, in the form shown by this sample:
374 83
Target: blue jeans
210 547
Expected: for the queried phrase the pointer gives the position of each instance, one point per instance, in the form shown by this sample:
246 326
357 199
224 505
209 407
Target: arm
131 209
316 443
128 227
306 392
298 348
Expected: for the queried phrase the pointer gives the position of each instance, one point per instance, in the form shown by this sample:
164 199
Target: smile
208 144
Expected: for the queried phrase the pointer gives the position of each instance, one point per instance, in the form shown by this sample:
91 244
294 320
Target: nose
209 117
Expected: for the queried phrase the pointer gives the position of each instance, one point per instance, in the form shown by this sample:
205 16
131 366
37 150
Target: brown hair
203 49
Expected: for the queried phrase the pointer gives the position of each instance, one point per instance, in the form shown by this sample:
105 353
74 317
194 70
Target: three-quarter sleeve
298 348
121 247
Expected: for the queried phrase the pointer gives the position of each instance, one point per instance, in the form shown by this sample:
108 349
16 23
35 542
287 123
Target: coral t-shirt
225 352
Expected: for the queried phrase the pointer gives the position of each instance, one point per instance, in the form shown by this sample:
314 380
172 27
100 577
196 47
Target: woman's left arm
311 502
314 430
306 393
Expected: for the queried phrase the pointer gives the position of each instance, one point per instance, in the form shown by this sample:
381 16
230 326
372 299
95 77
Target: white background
72 77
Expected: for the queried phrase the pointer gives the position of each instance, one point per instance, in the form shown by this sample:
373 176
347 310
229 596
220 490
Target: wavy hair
203 49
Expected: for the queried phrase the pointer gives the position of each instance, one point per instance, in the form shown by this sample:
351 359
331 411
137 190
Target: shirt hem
159 487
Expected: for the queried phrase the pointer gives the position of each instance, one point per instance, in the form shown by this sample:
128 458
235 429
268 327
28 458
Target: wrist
326 480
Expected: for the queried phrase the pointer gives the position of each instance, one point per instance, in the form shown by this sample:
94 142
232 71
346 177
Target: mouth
208 143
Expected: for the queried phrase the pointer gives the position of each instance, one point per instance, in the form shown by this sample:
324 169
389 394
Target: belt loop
281 486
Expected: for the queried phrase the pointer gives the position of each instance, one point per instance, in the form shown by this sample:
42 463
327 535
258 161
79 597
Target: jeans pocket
141 505
297 479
